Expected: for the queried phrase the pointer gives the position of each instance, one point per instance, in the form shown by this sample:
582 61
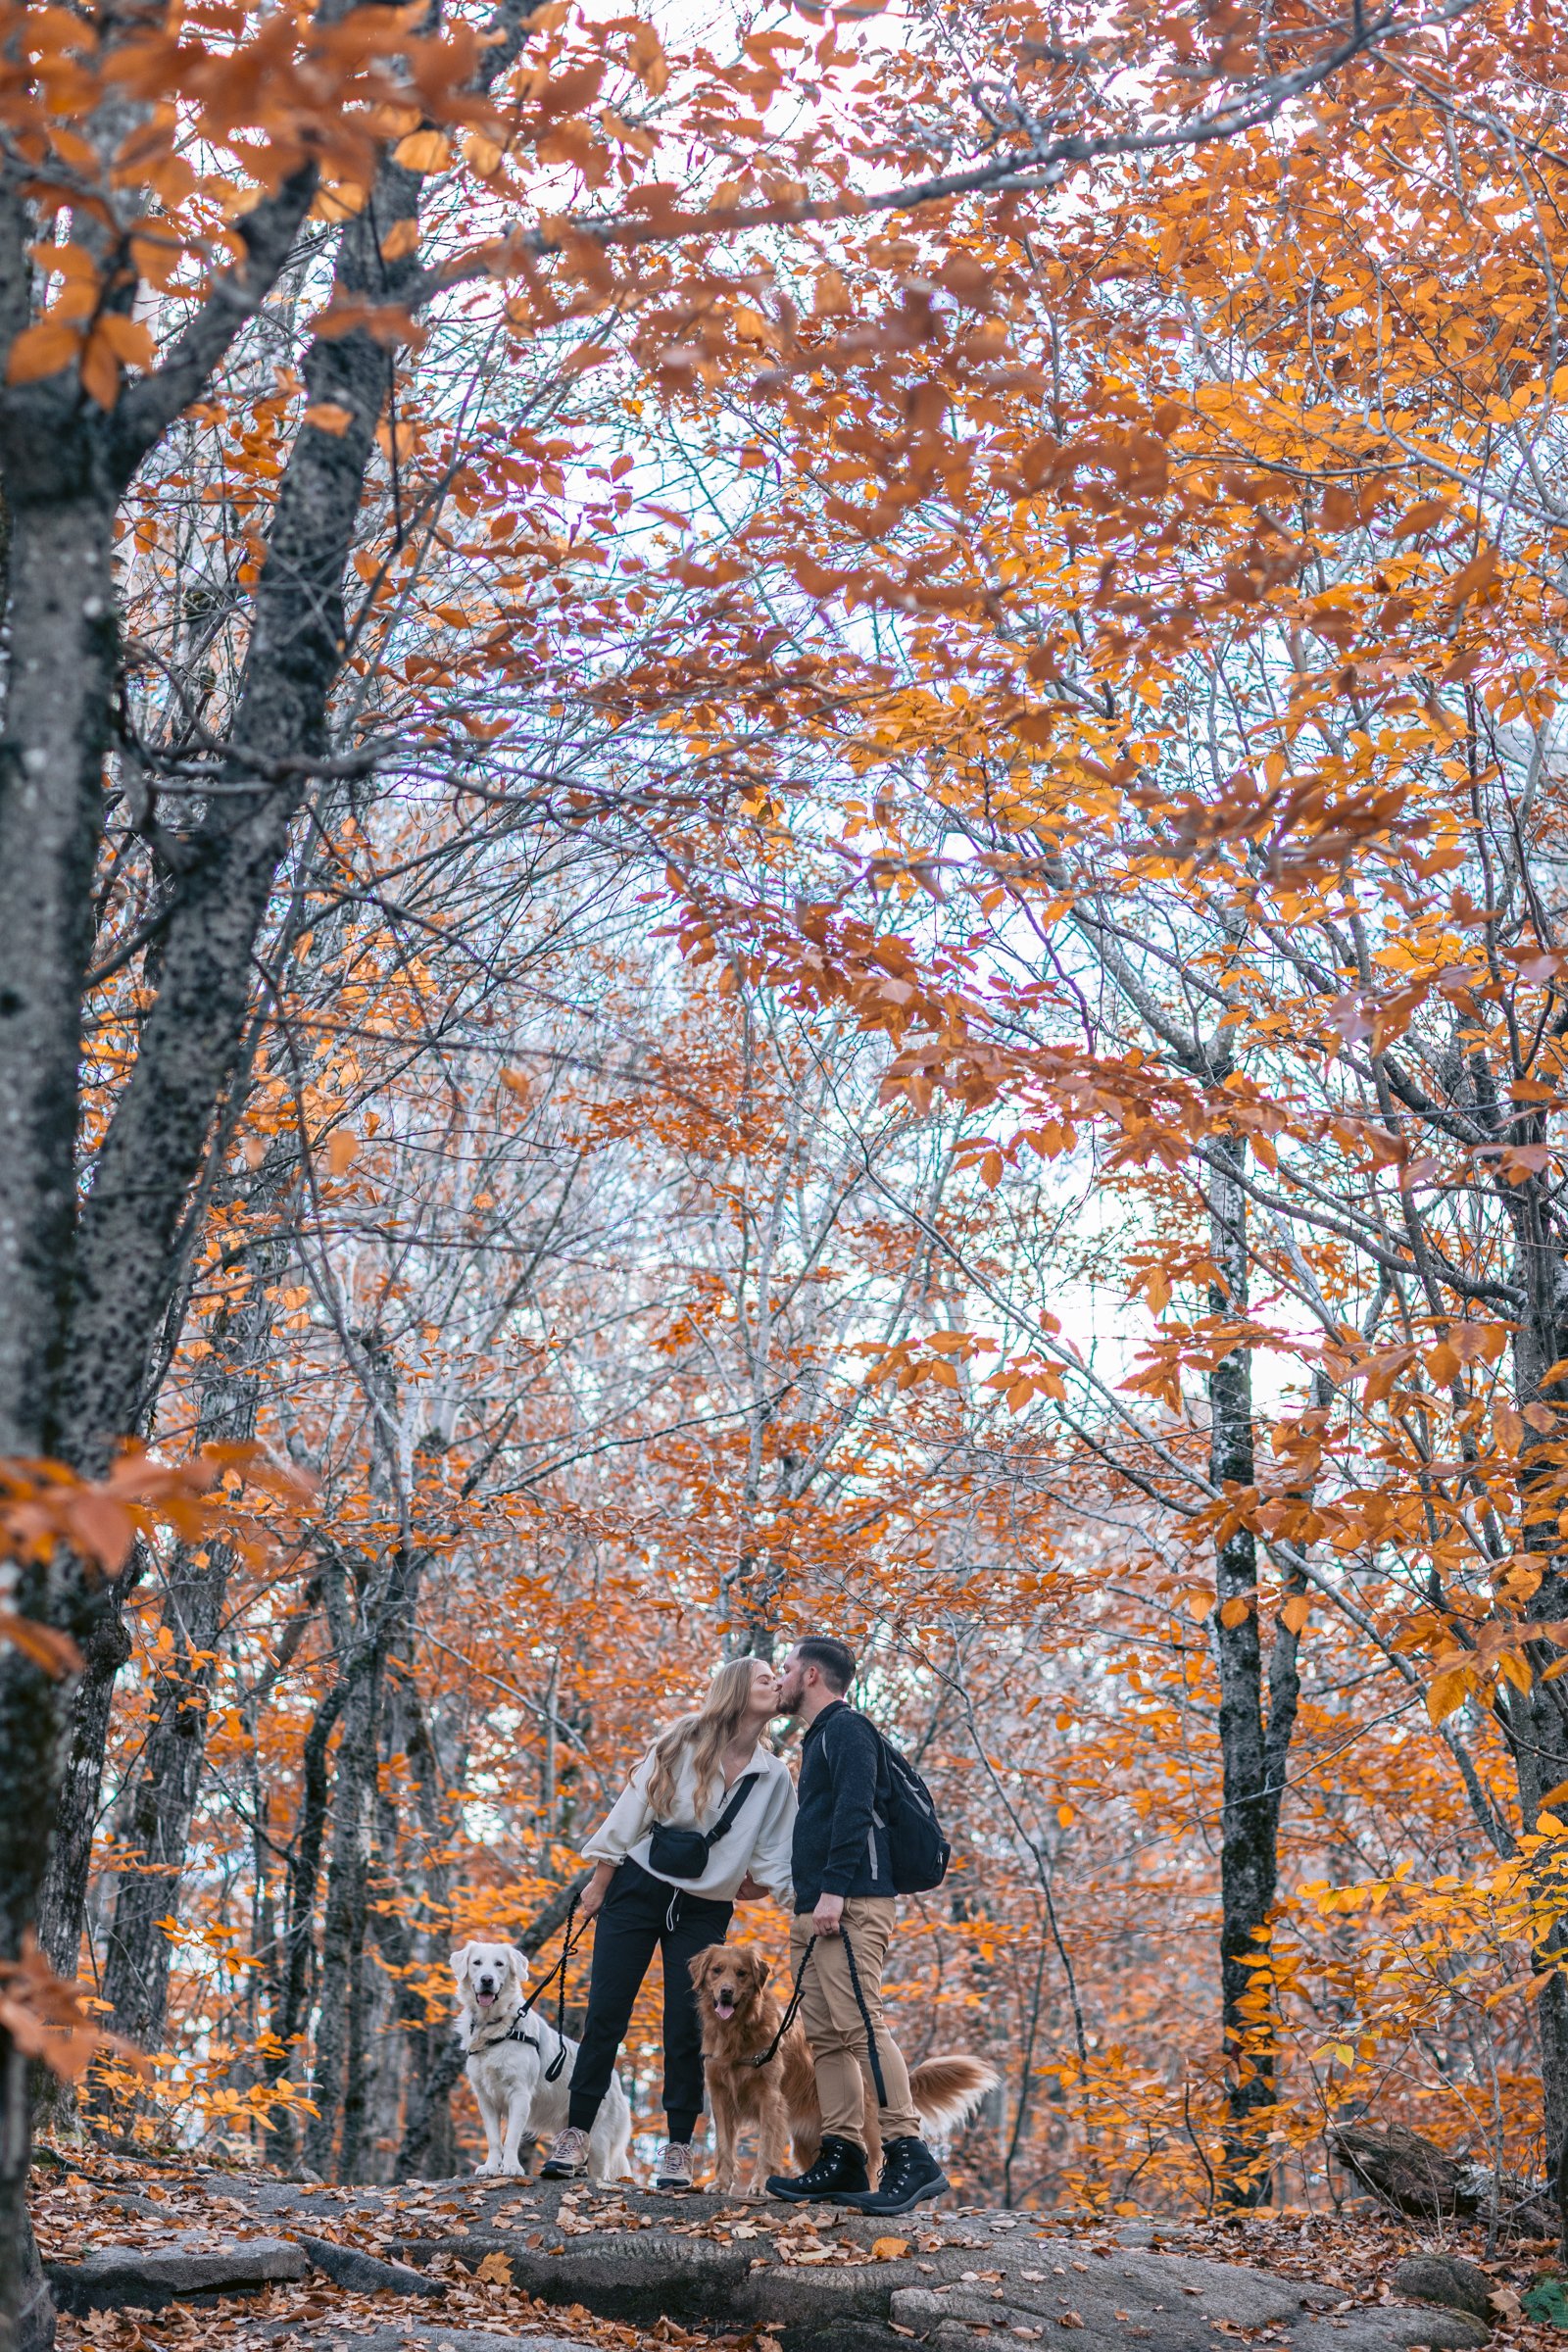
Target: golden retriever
740 2018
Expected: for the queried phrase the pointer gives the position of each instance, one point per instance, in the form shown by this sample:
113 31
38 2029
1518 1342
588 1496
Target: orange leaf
42 2013
54 1651
42 349
329 416
423 151
100 368
340 202
1450 1691
1421 517
126 338
342 1145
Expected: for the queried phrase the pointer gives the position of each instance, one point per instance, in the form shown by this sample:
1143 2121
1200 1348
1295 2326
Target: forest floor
212 2261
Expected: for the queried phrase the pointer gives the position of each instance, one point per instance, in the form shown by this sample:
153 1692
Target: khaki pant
836 2031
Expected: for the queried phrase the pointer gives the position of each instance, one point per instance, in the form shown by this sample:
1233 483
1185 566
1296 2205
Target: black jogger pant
638 1913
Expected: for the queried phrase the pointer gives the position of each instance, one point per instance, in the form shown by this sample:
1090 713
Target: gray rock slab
466 2339
146 2277
363 2274
1390 2328
1161 2303
980 2277
628 2255
1446 2279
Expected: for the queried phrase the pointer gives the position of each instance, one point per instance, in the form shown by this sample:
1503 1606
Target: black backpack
917 1851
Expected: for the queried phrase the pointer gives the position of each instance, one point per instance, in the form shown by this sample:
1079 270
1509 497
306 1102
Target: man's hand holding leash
827 1915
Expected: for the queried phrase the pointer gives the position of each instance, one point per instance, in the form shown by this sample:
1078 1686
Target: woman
707 1773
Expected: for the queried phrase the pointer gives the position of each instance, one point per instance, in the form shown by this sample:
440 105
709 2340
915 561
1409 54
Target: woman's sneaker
673 2171
567 2159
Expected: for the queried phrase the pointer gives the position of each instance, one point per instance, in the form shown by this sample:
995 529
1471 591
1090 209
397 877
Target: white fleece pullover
757 1840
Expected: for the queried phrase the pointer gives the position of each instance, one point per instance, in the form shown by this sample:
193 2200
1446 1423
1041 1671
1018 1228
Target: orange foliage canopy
905 975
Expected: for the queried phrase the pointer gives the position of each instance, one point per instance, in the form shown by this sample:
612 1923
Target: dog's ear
459 1960
700 1962
763 1969
520 1961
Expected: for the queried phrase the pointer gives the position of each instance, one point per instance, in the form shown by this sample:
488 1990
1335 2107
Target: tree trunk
60 677
128 1265
136 1956
291 1986
1415 2175
62 641
64 462
361 1653
1248 1842
428 2147
105 1651
1537 1720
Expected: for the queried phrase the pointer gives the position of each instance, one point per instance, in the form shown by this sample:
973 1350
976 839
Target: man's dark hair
834 1658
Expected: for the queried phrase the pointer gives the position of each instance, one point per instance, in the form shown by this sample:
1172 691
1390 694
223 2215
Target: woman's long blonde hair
704 1736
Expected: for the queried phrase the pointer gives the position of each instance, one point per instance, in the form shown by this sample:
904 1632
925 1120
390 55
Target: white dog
511 2055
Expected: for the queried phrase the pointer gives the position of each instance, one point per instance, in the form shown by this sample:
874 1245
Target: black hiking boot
839 2172
909 2175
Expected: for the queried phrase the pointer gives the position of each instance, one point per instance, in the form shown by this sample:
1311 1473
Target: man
844 1884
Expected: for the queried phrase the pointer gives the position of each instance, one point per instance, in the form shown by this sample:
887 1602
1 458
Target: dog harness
519 2029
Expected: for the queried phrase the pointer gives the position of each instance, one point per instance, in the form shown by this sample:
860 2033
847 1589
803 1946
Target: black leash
865 2018
517 2031
554 2071
792 2012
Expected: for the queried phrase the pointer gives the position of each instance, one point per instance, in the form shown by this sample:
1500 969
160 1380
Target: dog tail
945 2090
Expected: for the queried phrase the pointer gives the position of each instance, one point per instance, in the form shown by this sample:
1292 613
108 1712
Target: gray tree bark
290 1984
1252 1749
1536 1721
136 1953
127 1261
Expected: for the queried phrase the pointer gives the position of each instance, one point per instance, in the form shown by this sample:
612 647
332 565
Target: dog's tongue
484 1998
725 2008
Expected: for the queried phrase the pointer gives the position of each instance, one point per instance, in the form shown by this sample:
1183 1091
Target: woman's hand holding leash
598 1886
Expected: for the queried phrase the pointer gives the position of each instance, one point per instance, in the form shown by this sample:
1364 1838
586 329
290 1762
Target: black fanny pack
683 1853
